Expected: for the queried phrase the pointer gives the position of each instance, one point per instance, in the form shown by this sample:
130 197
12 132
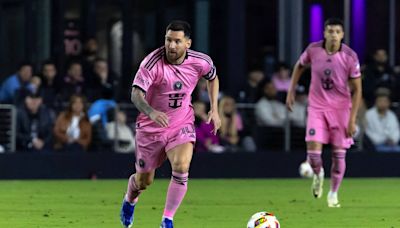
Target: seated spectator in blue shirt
16 81
34 125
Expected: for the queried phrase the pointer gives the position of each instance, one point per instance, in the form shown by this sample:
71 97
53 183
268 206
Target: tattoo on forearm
141 104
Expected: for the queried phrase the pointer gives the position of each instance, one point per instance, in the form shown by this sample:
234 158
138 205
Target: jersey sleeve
305 57
143 79
208 70
354 68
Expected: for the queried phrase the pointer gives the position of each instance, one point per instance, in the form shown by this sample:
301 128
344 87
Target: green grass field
219 203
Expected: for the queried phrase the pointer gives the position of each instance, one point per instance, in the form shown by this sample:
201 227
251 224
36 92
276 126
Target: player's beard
173 57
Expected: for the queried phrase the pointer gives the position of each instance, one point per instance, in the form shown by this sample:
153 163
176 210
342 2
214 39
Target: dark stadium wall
229 165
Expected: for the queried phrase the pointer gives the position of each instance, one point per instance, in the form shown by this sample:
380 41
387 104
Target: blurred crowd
76 111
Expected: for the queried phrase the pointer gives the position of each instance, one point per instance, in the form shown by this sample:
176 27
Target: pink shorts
329 127
152 148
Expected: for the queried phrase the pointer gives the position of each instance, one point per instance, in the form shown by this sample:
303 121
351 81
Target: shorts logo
141 163
178 86
311 131
327 72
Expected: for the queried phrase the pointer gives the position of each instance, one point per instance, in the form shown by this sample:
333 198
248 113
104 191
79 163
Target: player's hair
178 25
334 21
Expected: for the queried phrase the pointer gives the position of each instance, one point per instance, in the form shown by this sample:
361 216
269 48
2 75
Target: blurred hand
290 100
214 117
159 117
351 129
37 143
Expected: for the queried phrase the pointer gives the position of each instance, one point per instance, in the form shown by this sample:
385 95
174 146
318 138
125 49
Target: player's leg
339 121
180 158
137 183
338 169
314 152
316 136
149 156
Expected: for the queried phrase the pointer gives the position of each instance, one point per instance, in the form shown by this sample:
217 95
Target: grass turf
219 203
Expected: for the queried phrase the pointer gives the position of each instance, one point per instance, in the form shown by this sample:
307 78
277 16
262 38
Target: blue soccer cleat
167 223
127 214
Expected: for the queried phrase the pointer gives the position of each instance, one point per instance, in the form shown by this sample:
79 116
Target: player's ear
188 43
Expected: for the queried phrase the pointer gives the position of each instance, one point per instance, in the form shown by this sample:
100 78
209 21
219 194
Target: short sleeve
354 70
209 71
143 79
305 58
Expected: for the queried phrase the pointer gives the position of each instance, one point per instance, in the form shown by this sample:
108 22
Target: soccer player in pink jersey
334 99
162 91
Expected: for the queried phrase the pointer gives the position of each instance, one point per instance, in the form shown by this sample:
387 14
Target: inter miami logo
326 81
178 86
311 131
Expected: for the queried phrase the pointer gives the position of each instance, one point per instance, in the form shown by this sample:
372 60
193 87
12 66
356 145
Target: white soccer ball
263 220
305 170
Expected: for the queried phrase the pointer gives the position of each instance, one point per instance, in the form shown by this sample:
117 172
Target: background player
332 110
162 91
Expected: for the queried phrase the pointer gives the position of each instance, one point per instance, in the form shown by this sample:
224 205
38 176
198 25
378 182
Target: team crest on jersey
327 72
178 85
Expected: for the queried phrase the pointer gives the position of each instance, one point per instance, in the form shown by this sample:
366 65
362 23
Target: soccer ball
305 170
263 220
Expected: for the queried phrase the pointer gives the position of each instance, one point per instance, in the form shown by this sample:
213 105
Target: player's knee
181 168
142 184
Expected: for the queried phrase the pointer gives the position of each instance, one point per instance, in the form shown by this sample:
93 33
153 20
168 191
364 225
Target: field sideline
219 203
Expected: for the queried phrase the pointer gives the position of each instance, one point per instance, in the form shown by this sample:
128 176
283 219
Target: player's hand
214 117
351 129
159 117
290 101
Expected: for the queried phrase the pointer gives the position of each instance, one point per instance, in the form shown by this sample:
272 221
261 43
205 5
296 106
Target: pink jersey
329 89
168 87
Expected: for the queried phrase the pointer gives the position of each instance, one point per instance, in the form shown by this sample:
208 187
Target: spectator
98 115
201 93
72 129
298 114
269 111
102 82
89 55
21 93
21 79
281 77
232 126
382 125
74 81
118 130
33 125
248 94
377 74
50 84
281 80
206 141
